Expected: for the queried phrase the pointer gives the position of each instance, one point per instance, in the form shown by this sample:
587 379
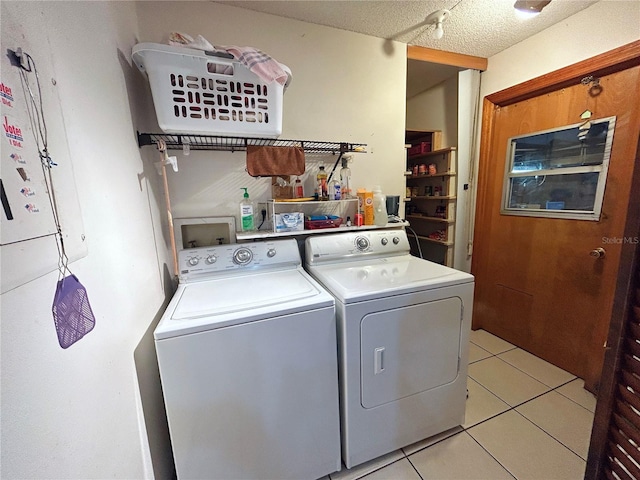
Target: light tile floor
525 419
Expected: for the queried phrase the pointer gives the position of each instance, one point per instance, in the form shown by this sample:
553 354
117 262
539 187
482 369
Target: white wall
436 109
74 413
346 87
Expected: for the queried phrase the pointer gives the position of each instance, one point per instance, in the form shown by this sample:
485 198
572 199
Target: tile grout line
548 386
531 376
515 347
557 440
551 389
491 455
529 420
383 466
414 467
569 398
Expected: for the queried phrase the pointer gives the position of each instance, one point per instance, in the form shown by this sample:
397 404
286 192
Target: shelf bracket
144 139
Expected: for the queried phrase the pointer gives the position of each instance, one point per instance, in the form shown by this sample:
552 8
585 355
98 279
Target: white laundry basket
196 92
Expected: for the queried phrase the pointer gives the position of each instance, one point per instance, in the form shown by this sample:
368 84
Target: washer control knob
193 261
362 243
271 252
396 240
211 259
384 241
242 256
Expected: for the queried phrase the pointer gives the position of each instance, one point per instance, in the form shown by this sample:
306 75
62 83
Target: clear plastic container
380 217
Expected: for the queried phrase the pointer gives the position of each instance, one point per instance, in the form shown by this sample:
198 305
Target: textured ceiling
475 27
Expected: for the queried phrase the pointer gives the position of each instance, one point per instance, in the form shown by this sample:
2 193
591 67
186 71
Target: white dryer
248 364
403 334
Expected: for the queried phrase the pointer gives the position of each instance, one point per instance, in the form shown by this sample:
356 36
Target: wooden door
536 284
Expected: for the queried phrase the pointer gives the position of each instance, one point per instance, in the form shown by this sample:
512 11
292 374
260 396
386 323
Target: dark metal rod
335 165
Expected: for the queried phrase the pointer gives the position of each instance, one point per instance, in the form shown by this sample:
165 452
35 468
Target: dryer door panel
409 350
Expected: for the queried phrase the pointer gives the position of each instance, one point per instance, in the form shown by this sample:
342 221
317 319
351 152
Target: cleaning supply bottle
323 188
380 217
345 178
246 212
335 190
298 190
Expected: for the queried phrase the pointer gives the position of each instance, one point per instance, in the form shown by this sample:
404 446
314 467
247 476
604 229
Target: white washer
403 334
248 363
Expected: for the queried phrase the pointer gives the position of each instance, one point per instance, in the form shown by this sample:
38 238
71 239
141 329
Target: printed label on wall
6 95
12 132
17 158
26 208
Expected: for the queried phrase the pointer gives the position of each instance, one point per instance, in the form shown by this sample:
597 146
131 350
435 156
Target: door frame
613 61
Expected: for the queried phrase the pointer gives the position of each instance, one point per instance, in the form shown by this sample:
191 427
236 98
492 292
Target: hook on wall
165 159
593 83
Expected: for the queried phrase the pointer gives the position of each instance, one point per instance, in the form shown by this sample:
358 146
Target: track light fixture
436 18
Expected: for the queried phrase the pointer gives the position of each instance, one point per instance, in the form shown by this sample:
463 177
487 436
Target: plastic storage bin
197 92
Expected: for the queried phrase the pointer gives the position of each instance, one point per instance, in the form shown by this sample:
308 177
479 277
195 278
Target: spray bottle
246 212
345 177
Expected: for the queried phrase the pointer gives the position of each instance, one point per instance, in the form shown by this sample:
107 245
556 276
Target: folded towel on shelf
258 62
261 64
265 161
178 39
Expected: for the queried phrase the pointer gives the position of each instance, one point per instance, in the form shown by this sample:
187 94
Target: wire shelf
238 144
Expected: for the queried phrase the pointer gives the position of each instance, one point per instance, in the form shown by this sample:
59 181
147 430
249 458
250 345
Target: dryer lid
379 277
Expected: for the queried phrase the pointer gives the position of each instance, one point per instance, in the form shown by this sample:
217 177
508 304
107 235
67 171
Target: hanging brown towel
270 161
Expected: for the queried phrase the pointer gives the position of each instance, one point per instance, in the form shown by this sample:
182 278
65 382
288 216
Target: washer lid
360 280
228 300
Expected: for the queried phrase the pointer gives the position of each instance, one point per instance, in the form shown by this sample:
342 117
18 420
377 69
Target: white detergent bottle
380 217
246 213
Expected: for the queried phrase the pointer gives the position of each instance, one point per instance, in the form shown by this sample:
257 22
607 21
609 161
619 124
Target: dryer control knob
193 261
396 240
242 256
211 259
362 243
271 252
384 241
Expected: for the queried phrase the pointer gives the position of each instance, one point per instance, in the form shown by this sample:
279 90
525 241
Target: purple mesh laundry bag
72 313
